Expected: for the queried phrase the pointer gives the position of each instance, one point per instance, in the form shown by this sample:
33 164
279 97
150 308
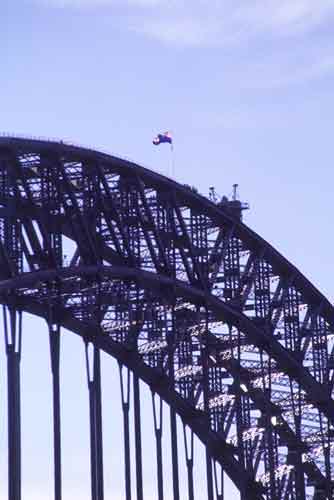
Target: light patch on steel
185 305
217 401
248 435
197 330
229 354
280 472
155 345
187 371
262 382
319 452
305 408
113 325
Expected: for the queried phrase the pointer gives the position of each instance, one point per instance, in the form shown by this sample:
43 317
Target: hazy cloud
291 28
221 22
101 3
214 22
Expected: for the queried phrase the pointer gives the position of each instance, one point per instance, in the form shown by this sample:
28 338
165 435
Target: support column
125 394
95 414
54 336
219 481
157 416
209 477
171 340
138 446
189 453
175 465
206 395
12 320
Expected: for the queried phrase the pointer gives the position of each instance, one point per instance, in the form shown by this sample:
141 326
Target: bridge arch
234 308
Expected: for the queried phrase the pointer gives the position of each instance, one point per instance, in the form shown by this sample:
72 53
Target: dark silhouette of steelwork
187 299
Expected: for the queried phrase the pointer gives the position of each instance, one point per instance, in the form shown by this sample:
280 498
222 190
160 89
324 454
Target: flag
161 138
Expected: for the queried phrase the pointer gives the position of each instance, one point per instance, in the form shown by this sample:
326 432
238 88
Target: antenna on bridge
235 192
212 194
233 205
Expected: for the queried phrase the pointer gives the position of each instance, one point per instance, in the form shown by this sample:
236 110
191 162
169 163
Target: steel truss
189 300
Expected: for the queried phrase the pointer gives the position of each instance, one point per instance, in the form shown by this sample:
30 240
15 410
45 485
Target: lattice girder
194 285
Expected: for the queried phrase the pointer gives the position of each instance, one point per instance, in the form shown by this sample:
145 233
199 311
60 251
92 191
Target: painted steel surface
188 299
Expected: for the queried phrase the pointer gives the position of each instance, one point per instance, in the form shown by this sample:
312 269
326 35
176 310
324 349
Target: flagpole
172 160
162 138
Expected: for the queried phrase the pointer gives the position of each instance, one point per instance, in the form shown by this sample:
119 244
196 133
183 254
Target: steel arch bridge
187 299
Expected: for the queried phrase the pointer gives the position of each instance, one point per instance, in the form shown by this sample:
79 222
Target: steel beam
138 442
189 455
125 395
54 337
158 422
95 417
12 320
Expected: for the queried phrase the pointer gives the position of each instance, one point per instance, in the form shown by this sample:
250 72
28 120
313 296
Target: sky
245 87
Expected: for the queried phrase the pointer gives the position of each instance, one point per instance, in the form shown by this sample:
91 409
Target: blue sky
245 87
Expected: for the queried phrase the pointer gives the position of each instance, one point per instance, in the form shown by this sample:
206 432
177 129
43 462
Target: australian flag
161 138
